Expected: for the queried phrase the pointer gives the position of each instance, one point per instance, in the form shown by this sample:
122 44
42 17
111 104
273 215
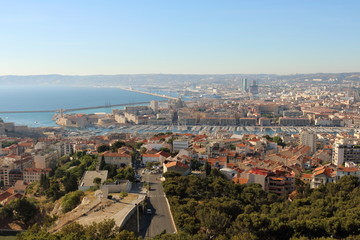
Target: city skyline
202 37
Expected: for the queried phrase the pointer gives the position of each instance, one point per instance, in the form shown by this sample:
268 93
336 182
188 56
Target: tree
54 191
126 173
138 145
207 168
278 140
44 182
103 148
123 194
116 145
102 163
195 164
23 210
71 200
126 235
97 181
70 183
214 221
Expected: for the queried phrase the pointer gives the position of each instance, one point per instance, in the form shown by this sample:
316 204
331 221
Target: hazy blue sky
184 36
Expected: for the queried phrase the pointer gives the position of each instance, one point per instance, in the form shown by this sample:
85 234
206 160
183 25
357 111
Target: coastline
21 113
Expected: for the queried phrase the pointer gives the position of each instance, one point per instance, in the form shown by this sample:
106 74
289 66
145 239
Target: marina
209 130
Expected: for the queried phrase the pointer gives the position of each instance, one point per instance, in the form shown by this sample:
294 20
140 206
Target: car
148 211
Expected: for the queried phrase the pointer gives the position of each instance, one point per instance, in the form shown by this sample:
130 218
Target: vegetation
212 207
21 210
126 173
96 231
71 200
8 143
150 165
116 145
103 148
278 140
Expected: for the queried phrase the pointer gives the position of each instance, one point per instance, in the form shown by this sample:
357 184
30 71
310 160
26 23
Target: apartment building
346 153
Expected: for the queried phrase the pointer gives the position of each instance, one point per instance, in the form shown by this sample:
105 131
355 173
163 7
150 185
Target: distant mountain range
166 79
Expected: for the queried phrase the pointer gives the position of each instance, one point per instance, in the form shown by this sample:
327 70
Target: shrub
71 200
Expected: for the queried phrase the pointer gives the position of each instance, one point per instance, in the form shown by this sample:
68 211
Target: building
263 121
46 159
247 121
87 180
254 88
346 153
157 157
4 175
14 176
308 138
292 113
347 171
154 105
177 167
286 121
278 182
244 85
31 175
180 144
118 159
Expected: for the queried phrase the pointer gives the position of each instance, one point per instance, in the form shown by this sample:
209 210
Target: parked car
148 211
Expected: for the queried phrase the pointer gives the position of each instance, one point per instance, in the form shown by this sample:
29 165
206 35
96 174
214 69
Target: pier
76 109
148 93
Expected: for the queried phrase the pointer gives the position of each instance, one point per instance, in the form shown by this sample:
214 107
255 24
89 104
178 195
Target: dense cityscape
223 161
180 120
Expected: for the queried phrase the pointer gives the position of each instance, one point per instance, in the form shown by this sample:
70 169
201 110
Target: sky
86 37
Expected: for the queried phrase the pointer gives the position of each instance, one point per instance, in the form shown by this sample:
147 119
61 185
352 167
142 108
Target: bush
71 200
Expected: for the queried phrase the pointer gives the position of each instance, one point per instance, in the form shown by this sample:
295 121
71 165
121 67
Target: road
160 219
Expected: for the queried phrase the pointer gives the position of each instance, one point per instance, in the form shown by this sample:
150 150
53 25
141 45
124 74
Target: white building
308 138
180 144
346 153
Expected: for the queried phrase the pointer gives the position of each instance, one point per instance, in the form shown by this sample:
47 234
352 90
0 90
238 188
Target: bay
25 98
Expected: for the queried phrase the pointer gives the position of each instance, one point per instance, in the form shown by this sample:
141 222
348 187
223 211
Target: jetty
148 93
75 109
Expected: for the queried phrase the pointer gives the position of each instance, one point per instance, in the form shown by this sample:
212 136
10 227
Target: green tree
70 182
97 181
44 182
116 145
102 163
23 210
71 200
103 148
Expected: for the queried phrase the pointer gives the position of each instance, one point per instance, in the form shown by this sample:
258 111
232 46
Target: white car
148 211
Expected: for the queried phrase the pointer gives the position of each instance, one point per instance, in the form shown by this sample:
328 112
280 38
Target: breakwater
76 109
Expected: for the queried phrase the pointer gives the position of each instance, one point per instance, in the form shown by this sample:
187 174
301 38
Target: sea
29 97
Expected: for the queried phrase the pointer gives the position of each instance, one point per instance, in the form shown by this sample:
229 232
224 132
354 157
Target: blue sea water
20 98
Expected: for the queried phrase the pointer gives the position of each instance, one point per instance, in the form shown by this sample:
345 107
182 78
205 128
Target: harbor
208 130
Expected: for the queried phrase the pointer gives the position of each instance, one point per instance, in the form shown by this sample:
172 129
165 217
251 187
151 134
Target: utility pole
138 220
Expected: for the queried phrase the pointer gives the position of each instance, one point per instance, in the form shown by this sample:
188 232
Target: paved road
160 219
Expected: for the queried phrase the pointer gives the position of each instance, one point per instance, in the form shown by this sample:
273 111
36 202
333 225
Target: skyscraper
254 88
244 85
